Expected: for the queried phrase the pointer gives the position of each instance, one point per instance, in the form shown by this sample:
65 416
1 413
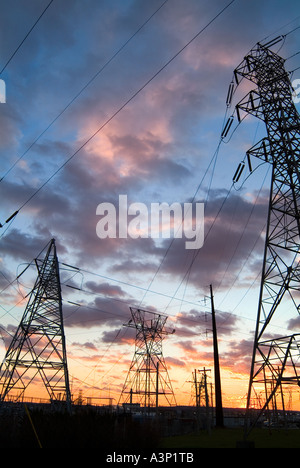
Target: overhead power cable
212 162
125 283
188 271
22 42
83 89
123 106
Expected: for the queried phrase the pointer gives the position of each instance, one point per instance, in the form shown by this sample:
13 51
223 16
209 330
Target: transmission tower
148 377
275 362
38 346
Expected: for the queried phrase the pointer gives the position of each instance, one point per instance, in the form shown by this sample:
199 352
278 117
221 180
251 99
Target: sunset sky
103 99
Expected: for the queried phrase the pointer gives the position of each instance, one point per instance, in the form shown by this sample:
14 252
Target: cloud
5 276
105 288
87 345
119 336
227 323
196 327
238 356
187 346
138 146
24 246
230 238
189 324
293 324
174 362
101 311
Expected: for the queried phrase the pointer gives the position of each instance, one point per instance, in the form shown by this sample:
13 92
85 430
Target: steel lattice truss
282 355
38 346
148 377
275 362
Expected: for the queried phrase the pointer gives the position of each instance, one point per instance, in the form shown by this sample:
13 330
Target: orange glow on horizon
99 391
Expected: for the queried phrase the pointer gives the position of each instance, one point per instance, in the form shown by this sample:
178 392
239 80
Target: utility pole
197 389
218 390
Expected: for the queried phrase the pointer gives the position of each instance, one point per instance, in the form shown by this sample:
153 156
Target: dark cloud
230 238
199 324
24 246
238 357
189 324
187 346
294 324
118 336
87 345
105 288
101 311
174 362
226 323
10 133
5 277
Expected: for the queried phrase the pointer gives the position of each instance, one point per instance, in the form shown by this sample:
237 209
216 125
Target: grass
228 438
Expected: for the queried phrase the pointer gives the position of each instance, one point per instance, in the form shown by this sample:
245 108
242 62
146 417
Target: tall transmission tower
38 347
148 379
275 360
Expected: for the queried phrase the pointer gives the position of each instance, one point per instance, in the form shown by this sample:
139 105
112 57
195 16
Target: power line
185 46
78 269
212 161
244 230
188 271
83 89
197 253
11 218
125 283
282 27
29 32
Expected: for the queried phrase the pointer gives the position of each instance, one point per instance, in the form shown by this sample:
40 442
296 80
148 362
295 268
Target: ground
228 438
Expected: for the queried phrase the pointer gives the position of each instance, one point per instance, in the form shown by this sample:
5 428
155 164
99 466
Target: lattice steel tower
148 378
38 347
275 361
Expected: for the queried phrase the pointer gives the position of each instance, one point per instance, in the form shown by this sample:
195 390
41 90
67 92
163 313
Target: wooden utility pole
218 391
